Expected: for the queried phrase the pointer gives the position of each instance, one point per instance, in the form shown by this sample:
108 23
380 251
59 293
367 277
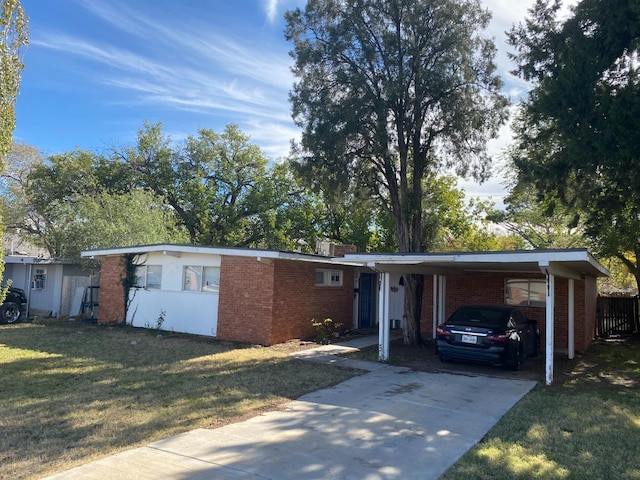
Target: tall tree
76 200
222 188
541 221
577 135
389 90
14 37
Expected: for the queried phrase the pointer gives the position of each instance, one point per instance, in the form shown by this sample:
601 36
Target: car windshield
481 317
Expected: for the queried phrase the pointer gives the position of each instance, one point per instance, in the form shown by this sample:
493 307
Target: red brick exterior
486 288
272 301
342 250
111 298
267 301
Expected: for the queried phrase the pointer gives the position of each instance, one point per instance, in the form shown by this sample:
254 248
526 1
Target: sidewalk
388 424
330 353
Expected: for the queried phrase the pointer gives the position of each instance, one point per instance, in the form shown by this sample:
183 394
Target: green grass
72 393
585 426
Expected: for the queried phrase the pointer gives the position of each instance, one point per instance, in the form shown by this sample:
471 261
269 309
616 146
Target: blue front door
365 300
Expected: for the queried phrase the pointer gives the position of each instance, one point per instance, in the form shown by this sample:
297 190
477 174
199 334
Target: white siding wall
396 299
183 311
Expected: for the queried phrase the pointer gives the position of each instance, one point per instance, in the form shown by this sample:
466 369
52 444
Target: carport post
572 322
549 328
383 317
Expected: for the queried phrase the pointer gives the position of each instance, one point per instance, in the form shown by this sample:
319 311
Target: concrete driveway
390 423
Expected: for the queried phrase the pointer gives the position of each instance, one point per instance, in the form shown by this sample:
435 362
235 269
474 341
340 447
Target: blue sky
97 69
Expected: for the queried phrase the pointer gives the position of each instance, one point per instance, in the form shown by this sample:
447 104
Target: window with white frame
525 291
149 277
39 278
197 278
328 278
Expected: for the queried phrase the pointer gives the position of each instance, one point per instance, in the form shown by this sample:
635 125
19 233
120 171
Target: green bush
325 329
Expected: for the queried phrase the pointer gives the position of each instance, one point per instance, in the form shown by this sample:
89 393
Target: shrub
325 329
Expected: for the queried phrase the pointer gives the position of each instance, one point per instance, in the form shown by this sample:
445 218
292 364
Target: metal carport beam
554 268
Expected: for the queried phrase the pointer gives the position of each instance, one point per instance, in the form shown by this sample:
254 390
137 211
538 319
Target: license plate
469 339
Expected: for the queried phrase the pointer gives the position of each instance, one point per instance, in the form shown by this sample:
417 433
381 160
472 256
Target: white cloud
271 8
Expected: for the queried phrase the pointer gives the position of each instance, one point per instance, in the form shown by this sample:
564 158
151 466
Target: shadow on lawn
74 391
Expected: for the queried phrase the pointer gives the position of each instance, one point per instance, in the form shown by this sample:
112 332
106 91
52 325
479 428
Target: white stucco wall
182 311
396 299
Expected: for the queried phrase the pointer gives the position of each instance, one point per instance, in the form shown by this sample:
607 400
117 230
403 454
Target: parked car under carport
493 334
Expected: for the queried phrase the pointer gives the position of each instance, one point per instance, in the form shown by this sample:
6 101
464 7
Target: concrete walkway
390 423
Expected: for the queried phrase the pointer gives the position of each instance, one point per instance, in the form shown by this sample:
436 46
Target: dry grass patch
73 393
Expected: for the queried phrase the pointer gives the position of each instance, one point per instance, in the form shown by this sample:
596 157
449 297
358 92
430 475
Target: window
39 278
328 278
201 279
149 276
526 292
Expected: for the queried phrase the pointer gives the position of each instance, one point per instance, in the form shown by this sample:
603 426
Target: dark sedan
493 334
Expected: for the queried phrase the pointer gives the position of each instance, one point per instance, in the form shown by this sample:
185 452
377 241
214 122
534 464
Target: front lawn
72 393
585 426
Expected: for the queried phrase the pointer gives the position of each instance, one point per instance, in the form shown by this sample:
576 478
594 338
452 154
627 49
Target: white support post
383 317
442 290
572 322
436 299
549 328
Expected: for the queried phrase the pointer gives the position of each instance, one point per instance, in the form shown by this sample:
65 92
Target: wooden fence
617 315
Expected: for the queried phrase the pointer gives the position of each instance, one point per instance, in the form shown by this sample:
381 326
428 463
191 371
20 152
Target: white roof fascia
176 250
540 257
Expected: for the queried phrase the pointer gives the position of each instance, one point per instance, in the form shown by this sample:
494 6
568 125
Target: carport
572 264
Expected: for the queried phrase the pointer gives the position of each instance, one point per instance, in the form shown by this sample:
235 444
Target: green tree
222 188
540 221
577 136
389 90
108 220
76 200
14 36
51 194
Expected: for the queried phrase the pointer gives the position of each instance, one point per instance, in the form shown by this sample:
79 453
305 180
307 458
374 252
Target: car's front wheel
9 312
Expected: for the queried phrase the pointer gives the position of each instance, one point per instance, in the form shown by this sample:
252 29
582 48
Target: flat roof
174 249
571 263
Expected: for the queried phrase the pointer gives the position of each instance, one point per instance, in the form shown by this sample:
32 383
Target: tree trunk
413 289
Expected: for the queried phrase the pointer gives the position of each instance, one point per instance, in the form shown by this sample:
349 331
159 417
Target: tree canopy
14 36
388 91
577 134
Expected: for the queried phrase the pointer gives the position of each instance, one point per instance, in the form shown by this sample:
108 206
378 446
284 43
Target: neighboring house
267 297
53 287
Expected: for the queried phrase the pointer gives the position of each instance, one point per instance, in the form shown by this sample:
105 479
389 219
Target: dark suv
14 306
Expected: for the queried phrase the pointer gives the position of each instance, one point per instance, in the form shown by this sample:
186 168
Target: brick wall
342 250
111 297
487 288
245 308
298 301
272 301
